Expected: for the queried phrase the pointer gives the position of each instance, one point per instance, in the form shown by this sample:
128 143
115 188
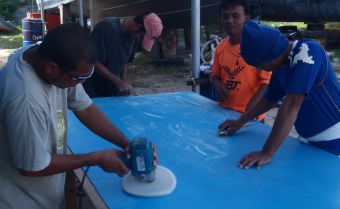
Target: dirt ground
3 55
149 78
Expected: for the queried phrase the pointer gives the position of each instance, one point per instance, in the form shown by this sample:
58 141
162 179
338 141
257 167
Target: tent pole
195 37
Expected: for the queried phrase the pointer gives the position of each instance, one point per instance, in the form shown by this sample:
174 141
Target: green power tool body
141 159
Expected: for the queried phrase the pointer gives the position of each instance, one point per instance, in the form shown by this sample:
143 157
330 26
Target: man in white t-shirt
37 86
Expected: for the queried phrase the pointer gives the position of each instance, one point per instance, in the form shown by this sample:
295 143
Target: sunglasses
80 78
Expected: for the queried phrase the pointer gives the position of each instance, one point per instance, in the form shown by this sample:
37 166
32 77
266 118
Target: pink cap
153 29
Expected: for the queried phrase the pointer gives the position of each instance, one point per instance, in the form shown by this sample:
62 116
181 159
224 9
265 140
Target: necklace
232 51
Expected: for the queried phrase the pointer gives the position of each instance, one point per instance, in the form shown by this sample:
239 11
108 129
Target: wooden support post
187 38
65 13
96 12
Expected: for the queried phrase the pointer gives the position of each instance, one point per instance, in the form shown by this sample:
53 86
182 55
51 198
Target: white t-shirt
33 121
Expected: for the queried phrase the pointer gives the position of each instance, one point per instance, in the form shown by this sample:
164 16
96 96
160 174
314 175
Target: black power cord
81 192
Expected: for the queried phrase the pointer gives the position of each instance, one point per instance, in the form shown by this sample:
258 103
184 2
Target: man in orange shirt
238 86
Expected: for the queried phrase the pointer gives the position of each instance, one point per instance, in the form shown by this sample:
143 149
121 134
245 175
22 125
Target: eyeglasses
80 78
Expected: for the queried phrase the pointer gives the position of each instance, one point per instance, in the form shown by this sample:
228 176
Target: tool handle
125 160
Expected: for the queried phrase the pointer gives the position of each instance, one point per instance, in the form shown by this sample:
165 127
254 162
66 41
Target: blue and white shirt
308 71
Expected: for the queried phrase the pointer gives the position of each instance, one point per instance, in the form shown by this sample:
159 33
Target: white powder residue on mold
152 115
189 139
200 151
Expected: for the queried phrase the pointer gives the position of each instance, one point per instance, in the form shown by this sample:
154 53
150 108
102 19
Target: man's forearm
125 73
257 96
63 163
284 122
215 80
260 107
105 73
97 122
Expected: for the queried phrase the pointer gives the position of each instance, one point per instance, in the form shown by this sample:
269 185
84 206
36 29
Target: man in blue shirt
304 78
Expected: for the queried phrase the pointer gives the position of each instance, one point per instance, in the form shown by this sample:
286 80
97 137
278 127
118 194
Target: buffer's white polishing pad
164 183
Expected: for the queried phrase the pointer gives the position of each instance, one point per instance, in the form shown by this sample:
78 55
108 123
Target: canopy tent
49 4
176 13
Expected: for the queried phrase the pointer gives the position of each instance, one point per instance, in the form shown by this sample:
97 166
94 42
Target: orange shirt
242 80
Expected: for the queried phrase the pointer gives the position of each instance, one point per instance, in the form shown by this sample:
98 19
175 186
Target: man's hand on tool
109 161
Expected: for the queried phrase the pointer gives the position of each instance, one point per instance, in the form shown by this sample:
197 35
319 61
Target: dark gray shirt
115 49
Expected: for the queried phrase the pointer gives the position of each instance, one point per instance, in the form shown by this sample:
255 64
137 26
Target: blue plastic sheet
184 125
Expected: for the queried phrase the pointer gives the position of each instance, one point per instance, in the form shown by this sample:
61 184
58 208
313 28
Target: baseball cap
153 29
261 43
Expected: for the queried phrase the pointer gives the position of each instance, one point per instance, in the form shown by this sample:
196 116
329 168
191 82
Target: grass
333 25
10 41
300 25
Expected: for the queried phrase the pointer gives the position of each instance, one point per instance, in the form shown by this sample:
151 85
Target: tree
8 8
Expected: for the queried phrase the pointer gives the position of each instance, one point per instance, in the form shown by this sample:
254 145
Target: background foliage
8 7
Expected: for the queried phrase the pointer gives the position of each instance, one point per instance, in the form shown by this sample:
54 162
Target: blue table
184 127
